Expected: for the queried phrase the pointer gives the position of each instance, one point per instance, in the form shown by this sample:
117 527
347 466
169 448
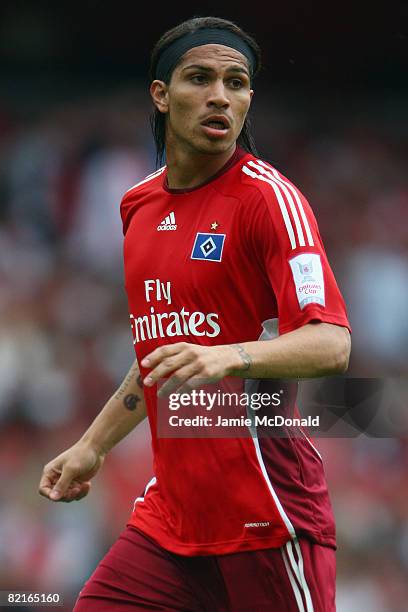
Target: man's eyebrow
209 69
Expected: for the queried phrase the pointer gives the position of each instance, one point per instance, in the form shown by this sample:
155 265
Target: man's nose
218 95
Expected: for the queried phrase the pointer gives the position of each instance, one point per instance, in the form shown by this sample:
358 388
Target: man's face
207 99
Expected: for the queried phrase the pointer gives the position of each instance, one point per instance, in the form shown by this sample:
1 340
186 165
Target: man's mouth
216 126
217 123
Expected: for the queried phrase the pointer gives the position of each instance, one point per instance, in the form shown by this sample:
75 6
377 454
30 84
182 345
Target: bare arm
122 412
313 350
67 477
316 349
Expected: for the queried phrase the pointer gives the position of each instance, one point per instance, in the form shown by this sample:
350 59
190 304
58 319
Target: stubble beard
196 143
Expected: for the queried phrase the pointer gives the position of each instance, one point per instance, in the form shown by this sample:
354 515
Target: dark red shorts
138 574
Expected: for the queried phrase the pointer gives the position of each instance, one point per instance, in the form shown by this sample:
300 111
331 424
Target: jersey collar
238 154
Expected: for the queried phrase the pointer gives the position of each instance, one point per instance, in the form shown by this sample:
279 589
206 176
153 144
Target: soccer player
226 276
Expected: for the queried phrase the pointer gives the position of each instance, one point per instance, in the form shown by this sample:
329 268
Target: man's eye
236 83
198 78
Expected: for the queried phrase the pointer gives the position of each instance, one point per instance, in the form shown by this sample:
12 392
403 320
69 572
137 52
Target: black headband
204 36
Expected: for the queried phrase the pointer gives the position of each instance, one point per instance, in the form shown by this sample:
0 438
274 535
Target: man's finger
48 480
45 486
170 386
62 484
77 492
176 382
156 356
45 490
85 490
171 364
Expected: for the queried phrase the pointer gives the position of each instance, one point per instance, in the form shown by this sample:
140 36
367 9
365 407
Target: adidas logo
169 223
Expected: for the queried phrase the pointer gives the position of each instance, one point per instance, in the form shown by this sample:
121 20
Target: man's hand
189 365
67 477
315 349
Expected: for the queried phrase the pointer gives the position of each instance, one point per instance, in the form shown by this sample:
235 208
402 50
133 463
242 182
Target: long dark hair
158 119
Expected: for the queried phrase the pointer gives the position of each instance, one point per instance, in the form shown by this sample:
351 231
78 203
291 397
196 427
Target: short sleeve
293 257
125 208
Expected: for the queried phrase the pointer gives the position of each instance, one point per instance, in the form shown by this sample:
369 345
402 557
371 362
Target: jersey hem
230 546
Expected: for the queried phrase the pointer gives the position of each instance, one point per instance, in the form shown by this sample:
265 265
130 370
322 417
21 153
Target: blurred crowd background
73 137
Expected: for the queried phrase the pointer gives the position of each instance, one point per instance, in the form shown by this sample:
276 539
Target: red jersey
236 259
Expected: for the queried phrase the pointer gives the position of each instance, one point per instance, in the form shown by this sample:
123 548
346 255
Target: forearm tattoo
246 359
129 380
131 401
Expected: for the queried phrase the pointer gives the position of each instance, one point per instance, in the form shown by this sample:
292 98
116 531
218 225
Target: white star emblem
214 225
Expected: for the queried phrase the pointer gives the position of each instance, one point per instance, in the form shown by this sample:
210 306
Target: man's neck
186 170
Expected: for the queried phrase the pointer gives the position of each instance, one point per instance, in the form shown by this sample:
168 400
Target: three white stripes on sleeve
283 188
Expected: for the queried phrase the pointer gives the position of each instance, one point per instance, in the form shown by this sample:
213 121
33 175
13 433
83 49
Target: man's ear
159 93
